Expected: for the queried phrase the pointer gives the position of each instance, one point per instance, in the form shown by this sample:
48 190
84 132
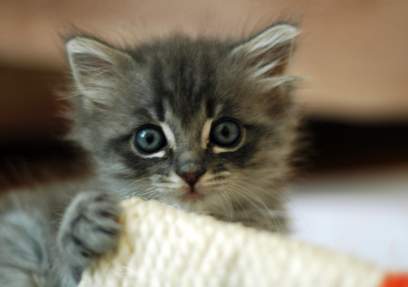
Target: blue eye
225 132
149 139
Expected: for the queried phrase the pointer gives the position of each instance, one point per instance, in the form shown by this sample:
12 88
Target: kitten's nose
190 167
191 174
191 177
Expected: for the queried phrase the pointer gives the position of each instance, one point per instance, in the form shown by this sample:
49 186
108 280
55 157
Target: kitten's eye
225 132
149 139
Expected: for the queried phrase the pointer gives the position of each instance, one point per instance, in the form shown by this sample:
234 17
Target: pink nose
190 177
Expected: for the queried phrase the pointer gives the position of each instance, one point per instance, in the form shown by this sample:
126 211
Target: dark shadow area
37 162
335 146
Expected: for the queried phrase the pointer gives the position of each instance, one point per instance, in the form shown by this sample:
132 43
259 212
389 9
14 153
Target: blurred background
351 188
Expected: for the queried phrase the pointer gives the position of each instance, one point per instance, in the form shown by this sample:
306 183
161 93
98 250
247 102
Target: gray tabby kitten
200 124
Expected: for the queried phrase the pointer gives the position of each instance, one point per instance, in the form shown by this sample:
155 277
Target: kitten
200 124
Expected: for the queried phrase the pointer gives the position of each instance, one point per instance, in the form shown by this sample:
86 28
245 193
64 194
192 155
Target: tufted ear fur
267 53
96 67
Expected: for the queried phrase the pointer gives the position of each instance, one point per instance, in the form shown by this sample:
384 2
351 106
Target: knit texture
161 246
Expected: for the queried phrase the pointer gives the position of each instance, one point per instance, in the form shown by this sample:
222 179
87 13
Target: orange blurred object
396 280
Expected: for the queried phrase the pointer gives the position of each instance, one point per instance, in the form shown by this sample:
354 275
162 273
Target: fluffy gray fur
181 85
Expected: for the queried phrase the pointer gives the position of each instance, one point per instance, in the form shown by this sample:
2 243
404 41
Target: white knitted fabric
164 247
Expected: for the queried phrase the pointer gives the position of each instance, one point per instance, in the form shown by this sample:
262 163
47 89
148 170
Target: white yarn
165 247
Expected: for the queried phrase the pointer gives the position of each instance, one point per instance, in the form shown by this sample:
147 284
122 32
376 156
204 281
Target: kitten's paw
89 228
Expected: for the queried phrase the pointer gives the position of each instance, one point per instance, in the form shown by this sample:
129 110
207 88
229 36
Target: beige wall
352 54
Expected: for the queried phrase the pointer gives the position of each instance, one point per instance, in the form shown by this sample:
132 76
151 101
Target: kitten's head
204 124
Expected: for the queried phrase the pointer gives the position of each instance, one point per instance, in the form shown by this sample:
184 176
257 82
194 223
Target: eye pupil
225 132
149 138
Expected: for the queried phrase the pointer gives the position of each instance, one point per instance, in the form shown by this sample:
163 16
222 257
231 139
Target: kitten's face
200 124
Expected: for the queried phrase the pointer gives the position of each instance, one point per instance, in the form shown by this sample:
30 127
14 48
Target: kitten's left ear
96 68
267 53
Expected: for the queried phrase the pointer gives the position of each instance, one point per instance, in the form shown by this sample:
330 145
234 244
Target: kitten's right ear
96 67
266 54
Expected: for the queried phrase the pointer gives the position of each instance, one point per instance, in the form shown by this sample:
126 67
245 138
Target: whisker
261 209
